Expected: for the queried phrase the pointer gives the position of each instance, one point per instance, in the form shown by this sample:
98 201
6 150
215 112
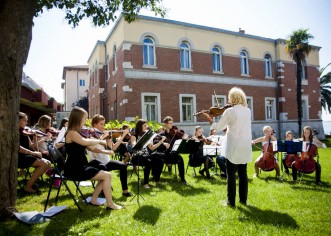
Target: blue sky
55 44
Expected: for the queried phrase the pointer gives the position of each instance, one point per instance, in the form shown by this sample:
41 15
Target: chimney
241 31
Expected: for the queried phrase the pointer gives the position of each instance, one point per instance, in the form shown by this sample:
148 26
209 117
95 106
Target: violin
30 132
214 111
90 133
267 162
175 132
53 132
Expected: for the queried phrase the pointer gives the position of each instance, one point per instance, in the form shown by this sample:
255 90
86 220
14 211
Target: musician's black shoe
184 182
243 203
202 172
128 194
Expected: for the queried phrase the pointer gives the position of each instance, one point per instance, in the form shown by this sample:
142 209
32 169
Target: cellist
267 151
306 163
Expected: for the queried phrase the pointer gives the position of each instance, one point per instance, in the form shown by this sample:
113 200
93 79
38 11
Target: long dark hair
63 122
139 127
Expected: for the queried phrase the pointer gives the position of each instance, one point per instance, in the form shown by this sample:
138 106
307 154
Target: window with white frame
185 56
303 69
187 105
221 101
249 101
149 52
82 82
305 110
217 59
150 106
268 66
114 58
270 109
244 68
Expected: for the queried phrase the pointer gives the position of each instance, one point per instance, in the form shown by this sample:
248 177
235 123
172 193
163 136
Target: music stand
137 150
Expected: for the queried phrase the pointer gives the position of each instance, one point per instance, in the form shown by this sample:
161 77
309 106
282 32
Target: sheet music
209 150
176 145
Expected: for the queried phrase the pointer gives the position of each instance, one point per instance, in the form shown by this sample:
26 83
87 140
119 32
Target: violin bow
218 105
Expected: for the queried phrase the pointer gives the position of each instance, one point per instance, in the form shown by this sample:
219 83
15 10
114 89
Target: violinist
125 146
171 134
151 161
197 156
306 163
27 157
44 124
266 144
77 166
238 149
99 156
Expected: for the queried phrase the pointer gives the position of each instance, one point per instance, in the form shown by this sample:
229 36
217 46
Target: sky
55 44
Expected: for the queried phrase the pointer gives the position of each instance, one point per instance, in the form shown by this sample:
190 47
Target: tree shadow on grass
147 214
267 217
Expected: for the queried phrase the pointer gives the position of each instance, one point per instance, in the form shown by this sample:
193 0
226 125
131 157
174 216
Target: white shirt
60 136
238 142
102 157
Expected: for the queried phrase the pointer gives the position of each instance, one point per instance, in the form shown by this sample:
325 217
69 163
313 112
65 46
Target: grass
274 208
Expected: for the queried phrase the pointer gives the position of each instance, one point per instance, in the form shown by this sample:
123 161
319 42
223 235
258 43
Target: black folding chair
57 158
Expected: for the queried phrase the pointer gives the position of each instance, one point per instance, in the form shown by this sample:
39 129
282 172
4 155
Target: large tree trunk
299 92
16 21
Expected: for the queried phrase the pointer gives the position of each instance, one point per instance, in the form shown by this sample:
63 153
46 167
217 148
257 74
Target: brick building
156 67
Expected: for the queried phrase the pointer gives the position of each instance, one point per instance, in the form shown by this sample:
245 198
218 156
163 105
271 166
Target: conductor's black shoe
128 194
184 182
202 172
243 203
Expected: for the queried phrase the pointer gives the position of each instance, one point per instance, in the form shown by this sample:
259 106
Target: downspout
77 78
277 94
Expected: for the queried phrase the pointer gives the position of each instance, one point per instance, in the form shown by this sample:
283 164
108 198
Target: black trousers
318 171
152 162
175 158
114 165
231 180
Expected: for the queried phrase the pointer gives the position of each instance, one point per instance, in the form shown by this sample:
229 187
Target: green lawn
274 208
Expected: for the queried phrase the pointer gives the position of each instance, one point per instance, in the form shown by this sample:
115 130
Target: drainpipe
277 95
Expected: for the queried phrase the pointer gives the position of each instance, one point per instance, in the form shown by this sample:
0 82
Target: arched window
149 52
244 63
267 66
185 56
217 59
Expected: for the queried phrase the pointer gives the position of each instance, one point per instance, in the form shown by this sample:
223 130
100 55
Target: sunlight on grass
171 208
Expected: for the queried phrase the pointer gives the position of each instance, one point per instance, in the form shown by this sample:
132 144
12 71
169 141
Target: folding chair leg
72 196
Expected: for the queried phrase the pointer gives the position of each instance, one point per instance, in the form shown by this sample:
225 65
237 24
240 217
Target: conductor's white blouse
237 120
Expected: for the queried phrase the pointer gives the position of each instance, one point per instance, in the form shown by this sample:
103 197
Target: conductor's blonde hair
237 96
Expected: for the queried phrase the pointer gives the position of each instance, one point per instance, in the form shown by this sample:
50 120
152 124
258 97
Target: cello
307 163
267 162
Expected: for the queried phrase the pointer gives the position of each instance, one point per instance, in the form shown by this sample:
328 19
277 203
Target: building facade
75 85
155 67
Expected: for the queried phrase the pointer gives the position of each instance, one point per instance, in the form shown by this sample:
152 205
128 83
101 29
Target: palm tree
297 46
325 85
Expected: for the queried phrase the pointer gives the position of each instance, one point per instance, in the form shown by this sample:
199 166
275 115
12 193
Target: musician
197 156
308 153
124 148
266 140
77 166
28 157
171 135
150 161
238 149
221 141
288 137
44 124
99 156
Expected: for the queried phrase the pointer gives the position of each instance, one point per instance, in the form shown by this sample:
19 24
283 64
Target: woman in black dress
77 166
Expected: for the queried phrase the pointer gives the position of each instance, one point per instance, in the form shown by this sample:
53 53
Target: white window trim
158 104
247 63
268 61
154 52
221 63
273 108
189 56
193 107
252 107
305 98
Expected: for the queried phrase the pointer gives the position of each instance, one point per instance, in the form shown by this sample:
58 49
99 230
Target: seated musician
124 148
99 156
27 157
306 163
220 159
197 156
150 161
267 145
171 133
77 166
289 157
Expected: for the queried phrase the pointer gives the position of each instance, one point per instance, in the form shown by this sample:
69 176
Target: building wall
167 79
